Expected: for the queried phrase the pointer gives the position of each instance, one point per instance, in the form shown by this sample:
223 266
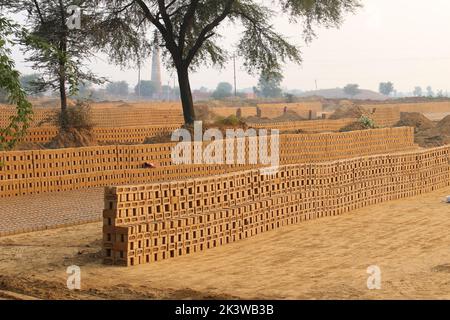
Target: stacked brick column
149 223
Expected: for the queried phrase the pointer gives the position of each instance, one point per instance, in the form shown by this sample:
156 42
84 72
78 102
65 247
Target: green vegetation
10 85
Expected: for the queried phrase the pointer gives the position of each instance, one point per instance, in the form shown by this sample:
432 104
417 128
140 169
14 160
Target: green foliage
351 89
10 85
29 83
147 88
191 33
57 52
118 88
367 122
223 90
386 88
269 84
232 121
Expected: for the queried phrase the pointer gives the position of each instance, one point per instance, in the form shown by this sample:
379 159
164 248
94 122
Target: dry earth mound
416 120
348 112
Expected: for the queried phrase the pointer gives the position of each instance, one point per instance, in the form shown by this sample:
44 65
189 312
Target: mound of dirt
73 138
357 125
416 120
348 112
444 126
124 105
161 138
288 116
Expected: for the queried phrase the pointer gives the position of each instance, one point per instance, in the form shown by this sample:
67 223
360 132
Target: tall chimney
156 67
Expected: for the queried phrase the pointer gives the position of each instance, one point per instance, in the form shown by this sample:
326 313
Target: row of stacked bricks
112 117
37 171
307 126
385 117
138 134
71 169
149 223
105 135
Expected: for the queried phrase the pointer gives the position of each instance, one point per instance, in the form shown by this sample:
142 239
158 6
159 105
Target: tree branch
204 33
187 23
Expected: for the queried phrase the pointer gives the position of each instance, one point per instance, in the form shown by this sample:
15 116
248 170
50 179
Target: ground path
327 258
50 210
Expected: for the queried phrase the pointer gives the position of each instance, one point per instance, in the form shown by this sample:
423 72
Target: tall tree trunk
186 95
63 95
62 68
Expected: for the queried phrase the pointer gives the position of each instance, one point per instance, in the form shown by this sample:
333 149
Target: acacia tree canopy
191 34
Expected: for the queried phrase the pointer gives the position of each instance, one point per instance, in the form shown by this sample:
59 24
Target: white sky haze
403 41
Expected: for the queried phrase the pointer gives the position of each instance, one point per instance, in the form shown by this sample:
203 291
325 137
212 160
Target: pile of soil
73 138
416 120
203 112
444 126
288 116
124 105
357 125
222 125
348 112
161 138
427 133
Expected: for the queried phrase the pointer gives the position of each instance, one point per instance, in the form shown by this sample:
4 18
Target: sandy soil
323 259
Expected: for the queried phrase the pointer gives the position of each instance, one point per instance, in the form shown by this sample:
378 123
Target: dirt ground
322 259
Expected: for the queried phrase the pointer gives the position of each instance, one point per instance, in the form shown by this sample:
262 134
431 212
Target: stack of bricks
138 134
153 222
303 109
38 171
109 116
385 117
307 125
105 135
422 107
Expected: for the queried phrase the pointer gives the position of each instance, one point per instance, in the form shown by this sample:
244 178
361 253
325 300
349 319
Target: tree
29 83
147 88
386 88
351 90
269 84
191 33
118 88
418 92
11 88
430 92
60 53
223 90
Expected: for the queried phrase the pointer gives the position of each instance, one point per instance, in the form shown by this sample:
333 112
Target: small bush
232 121
78 116
367 122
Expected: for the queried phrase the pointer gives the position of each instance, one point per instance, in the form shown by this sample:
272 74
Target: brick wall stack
307 125
422 107
111 116
385 117
105 135
303 109
38 171
153 222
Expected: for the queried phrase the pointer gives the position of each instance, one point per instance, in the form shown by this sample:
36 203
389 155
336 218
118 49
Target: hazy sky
403 41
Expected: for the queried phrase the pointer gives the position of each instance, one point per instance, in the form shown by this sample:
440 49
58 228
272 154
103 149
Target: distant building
156 69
